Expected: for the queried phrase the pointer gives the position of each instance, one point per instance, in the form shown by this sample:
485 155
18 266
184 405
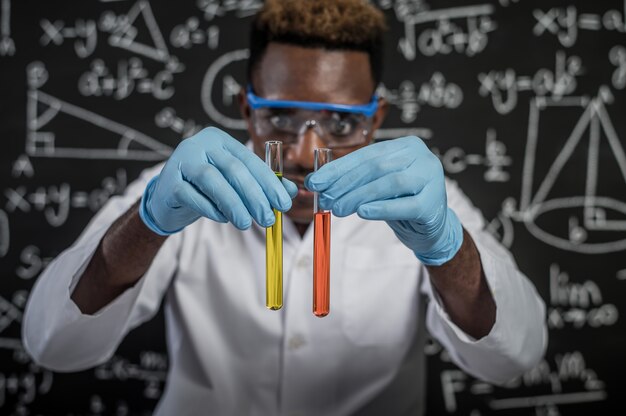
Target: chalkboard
523 100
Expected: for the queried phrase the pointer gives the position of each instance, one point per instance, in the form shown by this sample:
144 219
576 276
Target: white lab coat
229 355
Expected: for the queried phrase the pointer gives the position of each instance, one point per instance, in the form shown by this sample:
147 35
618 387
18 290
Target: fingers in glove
210 182
385 170
276 193
190 197
290 187
334 171
246 186
392 186
422 208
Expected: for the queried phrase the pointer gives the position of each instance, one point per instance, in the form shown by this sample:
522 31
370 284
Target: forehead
290 72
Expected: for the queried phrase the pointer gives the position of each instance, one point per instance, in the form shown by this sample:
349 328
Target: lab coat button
304 262
295 342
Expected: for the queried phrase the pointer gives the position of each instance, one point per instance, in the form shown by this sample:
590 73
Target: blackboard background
553 63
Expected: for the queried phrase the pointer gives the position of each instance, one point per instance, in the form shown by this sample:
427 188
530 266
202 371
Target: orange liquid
321 264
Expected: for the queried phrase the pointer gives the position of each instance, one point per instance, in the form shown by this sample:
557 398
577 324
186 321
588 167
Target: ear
379 116
244 107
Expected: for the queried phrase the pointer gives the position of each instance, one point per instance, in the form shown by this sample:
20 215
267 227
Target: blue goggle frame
257 102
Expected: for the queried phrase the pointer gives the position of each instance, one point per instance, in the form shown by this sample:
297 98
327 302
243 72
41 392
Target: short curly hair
329 24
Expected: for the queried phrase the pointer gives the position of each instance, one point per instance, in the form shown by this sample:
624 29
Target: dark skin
304 74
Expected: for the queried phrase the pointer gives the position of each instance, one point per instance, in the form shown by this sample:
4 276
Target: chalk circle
559 211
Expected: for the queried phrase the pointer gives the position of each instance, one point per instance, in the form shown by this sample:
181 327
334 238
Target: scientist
409 251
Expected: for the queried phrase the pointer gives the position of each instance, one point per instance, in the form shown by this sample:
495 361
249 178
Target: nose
301 152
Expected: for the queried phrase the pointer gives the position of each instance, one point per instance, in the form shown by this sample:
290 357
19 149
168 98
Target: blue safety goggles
257 102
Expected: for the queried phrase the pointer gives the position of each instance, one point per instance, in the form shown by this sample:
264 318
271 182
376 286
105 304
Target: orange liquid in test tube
321 264
321 247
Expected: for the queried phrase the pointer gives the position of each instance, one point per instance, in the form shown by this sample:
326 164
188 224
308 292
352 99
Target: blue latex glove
213 175
400 181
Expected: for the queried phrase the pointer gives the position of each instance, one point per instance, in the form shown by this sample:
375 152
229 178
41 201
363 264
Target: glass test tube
274 236
321 246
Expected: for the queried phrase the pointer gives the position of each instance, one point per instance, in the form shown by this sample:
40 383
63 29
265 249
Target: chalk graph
585 222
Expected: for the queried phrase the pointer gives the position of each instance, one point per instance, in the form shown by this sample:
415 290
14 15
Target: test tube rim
268 145
316 153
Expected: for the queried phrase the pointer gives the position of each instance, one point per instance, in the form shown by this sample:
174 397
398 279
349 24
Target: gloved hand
213 175
400 181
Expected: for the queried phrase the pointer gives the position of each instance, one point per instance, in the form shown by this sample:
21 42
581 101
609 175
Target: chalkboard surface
523 100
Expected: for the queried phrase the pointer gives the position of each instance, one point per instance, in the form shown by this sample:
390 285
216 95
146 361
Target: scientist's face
288 72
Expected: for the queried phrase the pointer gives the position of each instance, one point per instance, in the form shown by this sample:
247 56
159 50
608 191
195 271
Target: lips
303 192
299 181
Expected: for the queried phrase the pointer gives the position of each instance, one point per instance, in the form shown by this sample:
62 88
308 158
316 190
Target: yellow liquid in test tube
274 261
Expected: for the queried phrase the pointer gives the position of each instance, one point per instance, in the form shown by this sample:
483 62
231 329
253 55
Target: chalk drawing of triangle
125 36
595 215
591 127
126 143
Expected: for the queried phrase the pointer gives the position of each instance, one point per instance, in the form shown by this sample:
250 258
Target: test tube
321 245
274 236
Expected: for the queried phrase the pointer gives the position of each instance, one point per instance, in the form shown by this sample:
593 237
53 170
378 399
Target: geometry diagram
574 176
124 33
115 141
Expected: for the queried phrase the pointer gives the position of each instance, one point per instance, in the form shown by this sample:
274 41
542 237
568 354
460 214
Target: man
196 237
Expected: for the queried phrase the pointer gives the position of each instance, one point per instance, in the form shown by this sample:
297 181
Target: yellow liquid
274 262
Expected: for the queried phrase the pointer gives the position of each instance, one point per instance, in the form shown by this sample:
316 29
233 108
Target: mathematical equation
436 93
577 304
495 158
566 379
503 86
56 201
24 387
151 369
566 22
464 30
130 76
